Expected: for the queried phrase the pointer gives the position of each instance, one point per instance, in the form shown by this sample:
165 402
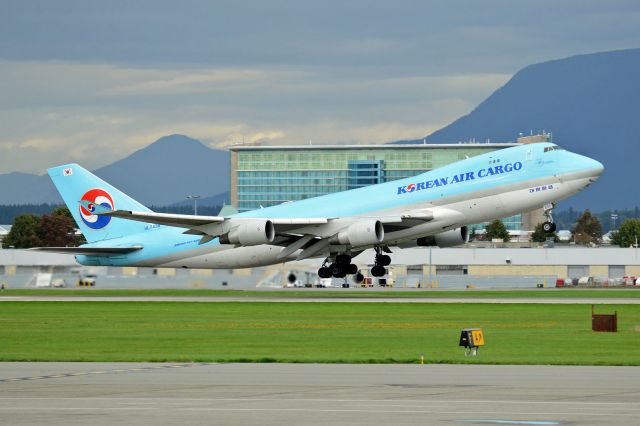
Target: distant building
4 230
451 267
263 176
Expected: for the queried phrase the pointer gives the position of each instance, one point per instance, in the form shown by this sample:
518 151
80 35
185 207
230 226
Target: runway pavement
311 394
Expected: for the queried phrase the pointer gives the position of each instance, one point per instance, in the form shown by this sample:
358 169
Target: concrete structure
20 268
452 267
149 394
563 262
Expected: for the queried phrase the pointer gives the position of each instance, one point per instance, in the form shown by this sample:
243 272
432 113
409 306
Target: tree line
48 230
588 230
55 227
567 219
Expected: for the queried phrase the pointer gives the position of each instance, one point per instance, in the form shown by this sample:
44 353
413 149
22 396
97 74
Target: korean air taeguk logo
99 197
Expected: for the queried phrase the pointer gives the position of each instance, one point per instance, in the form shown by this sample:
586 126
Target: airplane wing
92 251
209 227
188 221
169 219
311 235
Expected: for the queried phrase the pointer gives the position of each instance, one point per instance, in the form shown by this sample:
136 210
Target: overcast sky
92 82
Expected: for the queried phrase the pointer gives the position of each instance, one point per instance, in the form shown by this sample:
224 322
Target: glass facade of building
263 176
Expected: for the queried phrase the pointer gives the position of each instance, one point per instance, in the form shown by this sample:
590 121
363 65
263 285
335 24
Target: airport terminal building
263 176
270 175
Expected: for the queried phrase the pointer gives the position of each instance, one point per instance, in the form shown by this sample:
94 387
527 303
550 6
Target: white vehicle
585 281
58 283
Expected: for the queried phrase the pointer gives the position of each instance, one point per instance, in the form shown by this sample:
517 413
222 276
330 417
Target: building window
577 271
616 271
364 173
452 269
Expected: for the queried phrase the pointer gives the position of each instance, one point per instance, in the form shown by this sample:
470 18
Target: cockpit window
553 148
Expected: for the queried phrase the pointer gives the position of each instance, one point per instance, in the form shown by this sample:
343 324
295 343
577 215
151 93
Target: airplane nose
595 166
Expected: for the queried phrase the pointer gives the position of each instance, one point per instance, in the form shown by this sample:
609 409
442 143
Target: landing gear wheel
343 259
338 270
324 272
358 278
549 226
383 260
378 271
352 269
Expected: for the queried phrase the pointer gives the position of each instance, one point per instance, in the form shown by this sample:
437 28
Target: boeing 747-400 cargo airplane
433 208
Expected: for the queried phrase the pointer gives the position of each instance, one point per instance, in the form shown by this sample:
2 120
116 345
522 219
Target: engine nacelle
362 233
451 238
250 233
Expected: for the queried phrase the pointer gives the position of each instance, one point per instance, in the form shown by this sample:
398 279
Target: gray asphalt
204 299
309 394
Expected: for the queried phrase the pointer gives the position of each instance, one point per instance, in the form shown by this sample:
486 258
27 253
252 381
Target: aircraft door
533 158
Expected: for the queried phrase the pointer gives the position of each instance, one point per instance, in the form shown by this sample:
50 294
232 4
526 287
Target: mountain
163 173
589 103
168 170
25 188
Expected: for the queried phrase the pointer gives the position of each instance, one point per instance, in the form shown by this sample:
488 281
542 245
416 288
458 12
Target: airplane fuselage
490 186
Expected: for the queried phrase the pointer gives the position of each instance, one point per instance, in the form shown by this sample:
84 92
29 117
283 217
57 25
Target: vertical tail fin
75 183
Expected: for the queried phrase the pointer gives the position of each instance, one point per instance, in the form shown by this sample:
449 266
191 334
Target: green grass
312 332
332 293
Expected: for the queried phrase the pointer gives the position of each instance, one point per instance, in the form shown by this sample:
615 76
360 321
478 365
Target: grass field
331 293
308 332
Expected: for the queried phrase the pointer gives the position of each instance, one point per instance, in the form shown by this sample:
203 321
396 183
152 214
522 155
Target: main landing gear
339 268
549 226
381 261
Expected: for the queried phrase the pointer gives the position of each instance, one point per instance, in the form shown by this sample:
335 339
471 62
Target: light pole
614 217
195 203
430 263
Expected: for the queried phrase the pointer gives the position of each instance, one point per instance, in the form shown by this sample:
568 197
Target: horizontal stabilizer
170 219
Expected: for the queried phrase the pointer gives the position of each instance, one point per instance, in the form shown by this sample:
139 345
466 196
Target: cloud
92 82
98 113
175 83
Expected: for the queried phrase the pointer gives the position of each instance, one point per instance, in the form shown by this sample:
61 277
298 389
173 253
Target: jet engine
451 238
362 233
250 233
